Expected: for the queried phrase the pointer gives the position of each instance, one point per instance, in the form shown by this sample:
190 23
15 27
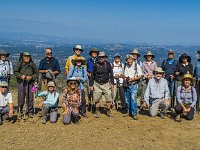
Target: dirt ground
118 132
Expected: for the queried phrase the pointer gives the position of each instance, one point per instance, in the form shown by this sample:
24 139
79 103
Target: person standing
26 74
49 69
197 78
169 66
101 82
118 71
6 67
77 54
132 75
90 64
148 68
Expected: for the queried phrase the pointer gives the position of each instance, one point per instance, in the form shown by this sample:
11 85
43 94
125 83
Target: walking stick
26 101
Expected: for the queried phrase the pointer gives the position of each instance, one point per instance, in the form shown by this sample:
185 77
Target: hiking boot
30 115
109 114
97 114
1 121
135 117
178 118
85 115
123 110
89 107
44 120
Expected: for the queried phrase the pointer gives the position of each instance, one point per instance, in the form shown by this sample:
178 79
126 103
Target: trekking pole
26 101
19 109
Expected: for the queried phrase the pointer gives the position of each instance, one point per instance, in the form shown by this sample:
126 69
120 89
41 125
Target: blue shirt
52 98
80 73
189 97
49 64
90 63
197 70
156 90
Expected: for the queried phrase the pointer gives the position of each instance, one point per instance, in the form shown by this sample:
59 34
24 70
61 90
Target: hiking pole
26 101
20 102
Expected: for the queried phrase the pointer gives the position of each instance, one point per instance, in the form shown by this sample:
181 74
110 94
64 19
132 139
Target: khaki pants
99 90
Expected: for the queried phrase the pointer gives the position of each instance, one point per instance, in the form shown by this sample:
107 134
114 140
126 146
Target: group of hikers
175 85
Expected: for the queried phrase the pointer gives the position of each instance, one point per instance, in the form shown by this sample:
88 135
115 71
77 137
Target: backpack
82 69
191 91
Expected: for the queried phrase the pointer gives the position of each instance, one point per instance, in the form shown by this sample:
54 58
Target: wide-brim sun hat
26 54
102 54
83 61
184 55
135 51
159 70
187 76
51 83
3 52
73 79
149 53
94 49
79 47
3 83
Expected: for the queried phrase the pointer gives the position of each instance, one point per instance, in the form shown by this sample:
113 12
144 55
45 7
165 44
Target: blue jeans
171 85
131 95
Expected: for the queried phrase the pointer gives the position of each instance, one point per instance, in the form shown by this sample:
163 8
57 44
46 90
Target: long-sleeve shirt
156 89
80 73
102 73
183 70
71 100
51 98
27 70
189 97
148 67
197 70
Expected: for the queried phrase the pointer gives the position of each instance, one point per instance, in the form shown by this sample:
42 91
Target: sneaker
109 114
44 120
97 114
178 118
135 117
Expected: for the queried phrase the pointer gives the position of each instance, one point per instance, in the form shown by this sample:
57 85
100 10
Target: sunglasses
102 57
51 86
4 86
49 53
78 50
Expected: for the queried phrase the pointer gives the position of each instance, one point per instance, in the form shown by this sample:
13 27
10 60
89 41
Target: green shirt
26 69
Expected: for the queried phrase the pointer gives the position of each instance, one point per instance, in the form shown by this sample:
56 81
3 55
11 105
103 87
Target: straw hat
187 76
82 60
149 53
159 69
135 51
51 83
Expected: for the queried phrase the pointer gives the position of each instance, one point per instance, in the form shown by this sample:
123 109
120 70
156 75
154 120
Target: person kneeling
187 98
71 101
51 99
157 93
6 112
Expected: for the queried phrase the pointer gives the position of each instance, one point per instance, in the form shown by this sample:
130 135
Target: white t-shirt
130 71
118 69
5 99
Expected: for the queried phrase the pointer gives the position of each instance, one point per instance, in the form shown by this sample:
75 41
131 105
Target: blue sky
145 21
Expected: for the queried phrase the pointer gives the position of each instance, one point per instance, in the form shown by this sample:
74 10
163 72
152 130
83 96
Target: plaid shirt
71 100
